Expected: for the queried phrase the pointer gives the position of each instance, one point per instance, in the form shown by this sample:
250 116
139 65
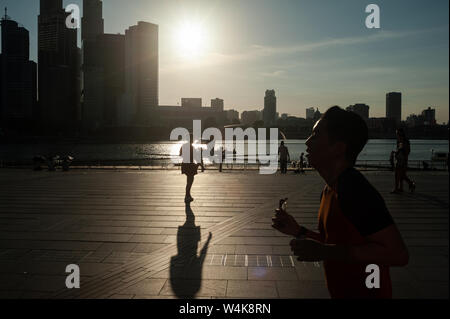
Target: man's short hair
347 127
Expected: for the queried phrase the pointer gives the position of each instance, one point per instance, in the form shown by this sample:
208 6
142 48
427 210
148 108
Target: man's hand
308 250
285 223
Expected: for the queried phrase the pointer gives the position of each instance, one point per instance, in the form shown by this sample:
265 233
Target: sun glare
191 40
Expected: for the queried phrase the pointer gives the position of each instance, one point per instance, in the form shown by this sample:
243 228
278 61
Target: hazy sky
313 53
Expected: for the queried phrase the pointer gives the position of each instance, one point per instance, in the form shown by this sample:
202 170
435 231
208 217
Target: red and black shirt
350 211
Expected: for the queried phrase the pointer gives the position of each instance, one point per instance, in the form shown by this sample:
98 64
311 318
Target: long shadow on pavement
186 266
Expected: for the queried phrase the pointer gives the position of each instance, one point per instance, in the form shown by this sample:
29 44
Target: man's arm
385 247
286 224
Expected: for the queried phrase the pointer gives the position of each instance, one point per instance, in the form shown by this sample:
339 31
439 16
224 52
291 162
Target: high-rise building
270 108
310 113
394 106
92 27
360 109
429 116
191 102
141 74
250 117
18 77
103 70
217 104
59 70
232 115
92 23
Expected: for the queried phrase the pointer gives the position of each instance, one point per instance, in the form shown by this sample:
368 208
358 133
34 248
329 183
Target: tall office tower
112 50
59 71
360 109
429 116
92 25
191 102
17 77
394 106
310 113
270 108
217 104
141 75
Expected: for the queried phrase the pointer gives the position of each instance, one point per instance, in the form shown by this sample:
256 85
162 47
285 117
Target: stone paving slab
121 227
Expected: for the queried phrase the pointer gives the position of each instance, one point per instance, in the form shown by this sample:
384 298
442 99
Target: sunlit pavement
132 235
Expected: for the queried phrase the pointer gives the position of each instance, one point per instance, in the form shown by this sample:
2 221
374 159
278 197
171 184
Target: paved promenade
133 237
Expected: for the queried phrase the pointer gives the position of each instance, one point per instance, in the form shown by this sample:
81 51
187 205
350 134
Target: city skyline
326 55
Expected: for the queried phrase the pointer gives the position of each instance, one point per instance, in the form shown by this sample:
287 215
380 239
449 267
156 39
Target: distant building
191 102
270 108
310 113
141 75
250 117
381 125
179 116
429 116
217 104
394 106
18 78
360 109
59 70
413 120
317 115
232 115
92 27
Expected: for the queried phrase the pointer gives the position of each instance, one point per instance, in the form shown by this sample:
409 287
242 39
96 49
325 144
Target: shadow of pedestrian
186 266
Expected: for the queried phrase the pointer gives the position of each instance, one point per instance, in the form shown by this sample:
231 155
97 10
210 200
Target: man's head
282 143
339 135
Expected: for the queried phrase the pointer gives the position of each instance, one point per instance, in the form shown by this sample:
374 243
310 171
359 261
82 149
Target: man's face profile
318 145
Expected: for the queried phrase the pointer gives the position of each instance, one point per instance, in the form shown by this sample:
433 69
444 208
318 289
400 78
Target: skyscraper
59 72
310 113
217 104
141 74
360 109
17 77
270 108
93 92
394 106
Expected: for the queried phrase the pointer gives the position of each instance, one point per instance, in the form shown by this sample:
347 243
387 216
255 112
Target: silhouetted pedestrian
222 153
189 168
401 163
301 163
284 157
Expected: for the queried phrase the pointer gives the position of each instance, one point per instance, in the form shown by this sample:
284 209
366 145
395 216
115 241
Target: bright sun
191 40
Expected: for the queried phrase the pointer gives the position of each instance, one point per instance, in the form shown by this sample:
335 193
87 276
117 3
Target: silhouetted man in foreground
355 227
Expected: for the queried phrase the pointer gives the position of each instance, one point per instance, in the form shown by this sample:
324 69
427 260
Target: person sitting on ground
355 227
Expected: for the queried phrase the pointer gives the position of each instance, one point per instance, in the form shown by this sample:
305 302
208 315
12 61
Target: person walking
284 157
189 167
401 163
301 164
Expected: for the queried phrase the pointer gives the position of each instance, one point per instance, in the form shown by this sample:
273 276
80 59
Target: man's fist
308 250
285 223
